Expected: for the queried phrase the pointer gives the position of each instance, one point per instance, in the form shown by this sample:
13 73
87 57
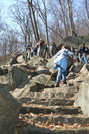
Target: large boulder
13 59
9 112
36 60
21 59
31 86
76 67
42 79
17 77
43 70
50 63
5 82
74 41
85 69
82 98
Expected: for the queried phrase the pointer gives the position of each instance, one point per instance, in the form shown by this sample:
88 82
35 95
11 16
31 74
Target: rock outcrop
9 112
40 103
82 98
74 41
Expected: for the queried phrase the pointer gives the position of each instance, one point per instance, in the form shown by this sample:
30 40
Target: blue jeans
61 75
84 58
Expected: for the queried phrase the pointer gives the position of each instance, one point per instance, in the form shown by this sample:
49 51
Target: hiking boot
56 85
64 82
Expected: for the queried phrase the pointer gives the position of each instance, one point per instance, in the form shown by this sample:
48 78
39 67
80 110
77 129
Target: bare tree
72 27
33 20
45 20
54 24
87 10
63 7
21 17
8 42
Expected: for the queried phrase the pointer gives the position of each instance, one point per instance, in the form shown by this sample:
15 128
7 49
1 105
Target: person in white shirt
60 64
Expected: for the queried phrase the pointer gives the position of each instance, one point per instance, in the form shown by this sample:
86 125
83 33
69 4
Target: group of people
60 59
41 49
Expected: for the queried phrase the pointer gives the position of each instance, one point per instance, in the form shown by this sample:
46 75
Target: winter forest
52 20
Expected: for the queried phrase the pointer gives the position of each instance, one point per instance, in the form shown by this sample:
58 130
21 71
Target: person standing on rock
35 50
78 54
29 51
53 49
60 64
83 51
40 47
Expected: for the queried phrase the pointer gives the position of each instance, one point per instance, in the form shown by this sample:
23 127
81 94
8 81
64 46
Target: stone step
38 130
58 92
52 94
57 118
47 101
36 109
65 88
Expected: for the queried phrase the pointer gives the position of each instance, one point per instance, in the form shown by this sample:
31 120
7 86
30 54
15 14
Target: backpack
41 43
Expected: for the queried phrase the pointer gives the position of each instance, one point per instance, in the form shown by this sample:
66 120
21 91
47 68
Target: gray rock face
22 92
42 70
50 63
42 78
9 111
74 41
17 77
32 84
85 69
76 67
4 79
5 82
20 59
13 59
82 98
35 60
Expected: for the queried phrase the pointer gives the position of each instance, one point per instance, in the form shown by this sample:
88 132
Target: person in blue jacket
60 64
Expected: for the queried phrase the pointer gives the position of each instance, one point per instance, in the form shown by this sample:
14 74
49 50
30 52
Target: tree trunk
47 39
63 18
72 27
87 11
33 20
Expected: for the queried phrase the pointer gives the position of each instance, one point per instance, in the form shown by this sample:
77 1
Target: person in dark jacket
52 49
82 52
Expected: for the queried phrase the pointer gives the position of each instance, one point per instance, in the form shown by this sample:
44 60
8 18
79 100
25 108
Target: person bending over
60 64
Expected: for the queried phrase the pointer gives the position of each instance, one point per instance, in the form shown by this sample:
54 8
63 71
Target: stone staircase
52 112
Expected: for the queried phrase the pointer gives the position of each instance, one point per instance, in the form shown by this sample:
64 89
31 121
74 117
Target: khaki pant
41 51
28 54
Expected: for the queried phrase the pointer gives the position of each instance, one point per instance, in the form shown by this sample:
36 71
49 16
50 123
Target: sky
5 6
7 3
5 15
